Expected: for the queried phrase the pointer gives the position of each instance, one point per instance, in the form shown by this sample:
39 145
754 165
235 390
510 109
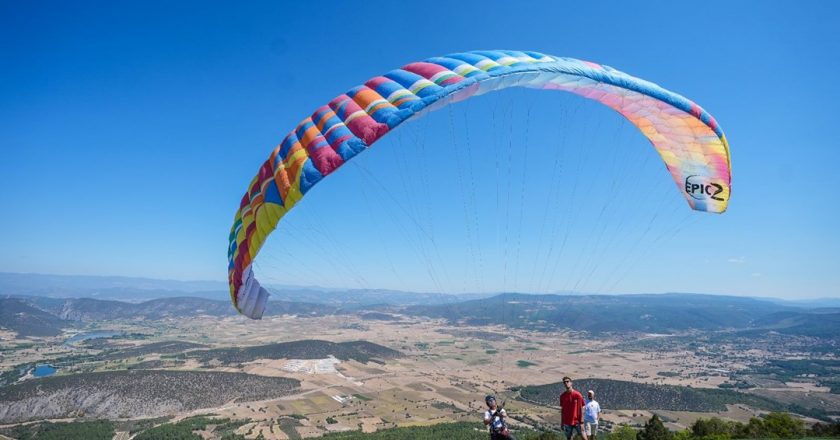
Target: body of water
43 370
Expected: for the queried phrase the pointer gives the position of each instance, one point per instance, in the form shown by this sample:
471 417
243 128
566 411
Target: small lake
90 335
43 370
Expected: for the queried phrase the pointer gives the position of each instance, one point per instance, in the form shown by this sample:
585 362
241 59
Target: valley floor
442 376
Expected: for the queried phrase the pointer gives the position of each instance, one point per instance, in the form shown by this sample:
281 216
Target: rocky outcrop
121 394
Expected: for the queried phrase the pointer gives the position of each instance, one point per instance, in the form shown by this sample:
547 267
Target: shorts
591 428
570 430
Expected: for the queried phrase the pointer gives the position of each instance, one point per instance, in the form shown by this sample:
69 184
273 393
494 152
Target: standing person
591 416
494 419
571 406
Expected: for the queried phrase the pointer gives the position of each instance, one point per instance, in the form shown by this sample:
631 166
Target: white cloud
737 260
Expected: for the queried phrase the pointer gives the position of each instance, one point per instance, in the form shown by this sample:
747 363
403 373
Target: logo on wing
700 188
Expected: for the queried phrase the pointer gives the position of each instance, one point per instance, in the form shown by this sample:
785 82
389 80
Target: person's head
490 400
591 394
567 382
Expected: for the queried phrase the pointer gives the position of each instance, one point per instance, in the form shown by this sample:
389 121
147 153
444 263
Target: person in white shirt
494 419
591 415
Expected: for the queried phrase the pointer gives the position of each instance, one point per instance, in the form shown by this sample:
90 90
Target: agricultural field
356 373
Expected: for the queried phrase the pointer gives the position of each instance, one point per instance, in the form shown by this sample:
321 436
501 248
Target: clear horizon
222 285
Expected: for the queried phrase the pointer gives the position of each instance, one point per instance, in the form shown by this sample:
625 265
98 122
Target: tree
782 425
623 433
685 434
753 429
825 430
713 427
654 430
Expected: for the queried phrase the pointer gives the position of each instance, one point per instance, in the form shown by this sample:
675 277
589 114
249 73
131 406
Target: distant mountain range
143 289
40 316
807 303
134 289
666 313
662 313
823 323
38 305
108 287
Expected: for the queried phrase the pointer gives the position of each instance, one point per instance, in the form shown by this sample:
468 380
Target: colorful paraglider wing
688 139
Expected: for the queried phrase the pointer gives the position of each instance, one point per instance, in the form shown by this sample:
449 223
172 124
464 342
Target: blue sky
129 132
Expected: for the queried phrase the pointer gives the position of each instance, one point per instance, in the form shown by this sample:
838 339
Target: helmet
489 398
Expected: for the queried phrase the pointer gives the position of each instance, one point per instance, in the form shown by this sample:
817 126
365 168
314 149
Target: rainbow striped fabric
688 138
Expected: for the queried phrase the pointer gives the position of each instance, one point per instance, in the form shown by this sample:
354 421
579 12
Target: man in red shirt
571 405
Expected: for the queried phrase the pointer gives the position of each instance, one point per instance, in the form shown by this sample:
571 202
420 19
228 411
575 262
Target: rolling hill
26 320
662 313
618 394
114 394
361 351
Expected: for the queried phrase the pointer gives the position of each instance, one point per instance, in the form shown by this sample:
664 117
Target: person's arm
582 404
487 419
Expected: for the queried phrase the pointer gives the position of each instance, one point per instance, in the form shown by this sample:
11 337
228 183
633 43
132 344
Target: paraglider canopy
687 138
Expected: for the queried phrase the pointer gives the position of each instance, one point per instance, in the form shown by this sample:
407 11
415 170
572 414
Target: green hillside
619 394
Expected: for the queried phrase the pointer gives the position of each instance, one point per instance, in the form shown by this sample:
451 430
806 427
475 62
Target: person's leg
568 430
581 433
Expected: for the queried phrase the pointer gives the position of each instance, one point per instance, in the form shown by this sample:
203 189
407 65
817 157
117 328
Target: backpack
499 426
